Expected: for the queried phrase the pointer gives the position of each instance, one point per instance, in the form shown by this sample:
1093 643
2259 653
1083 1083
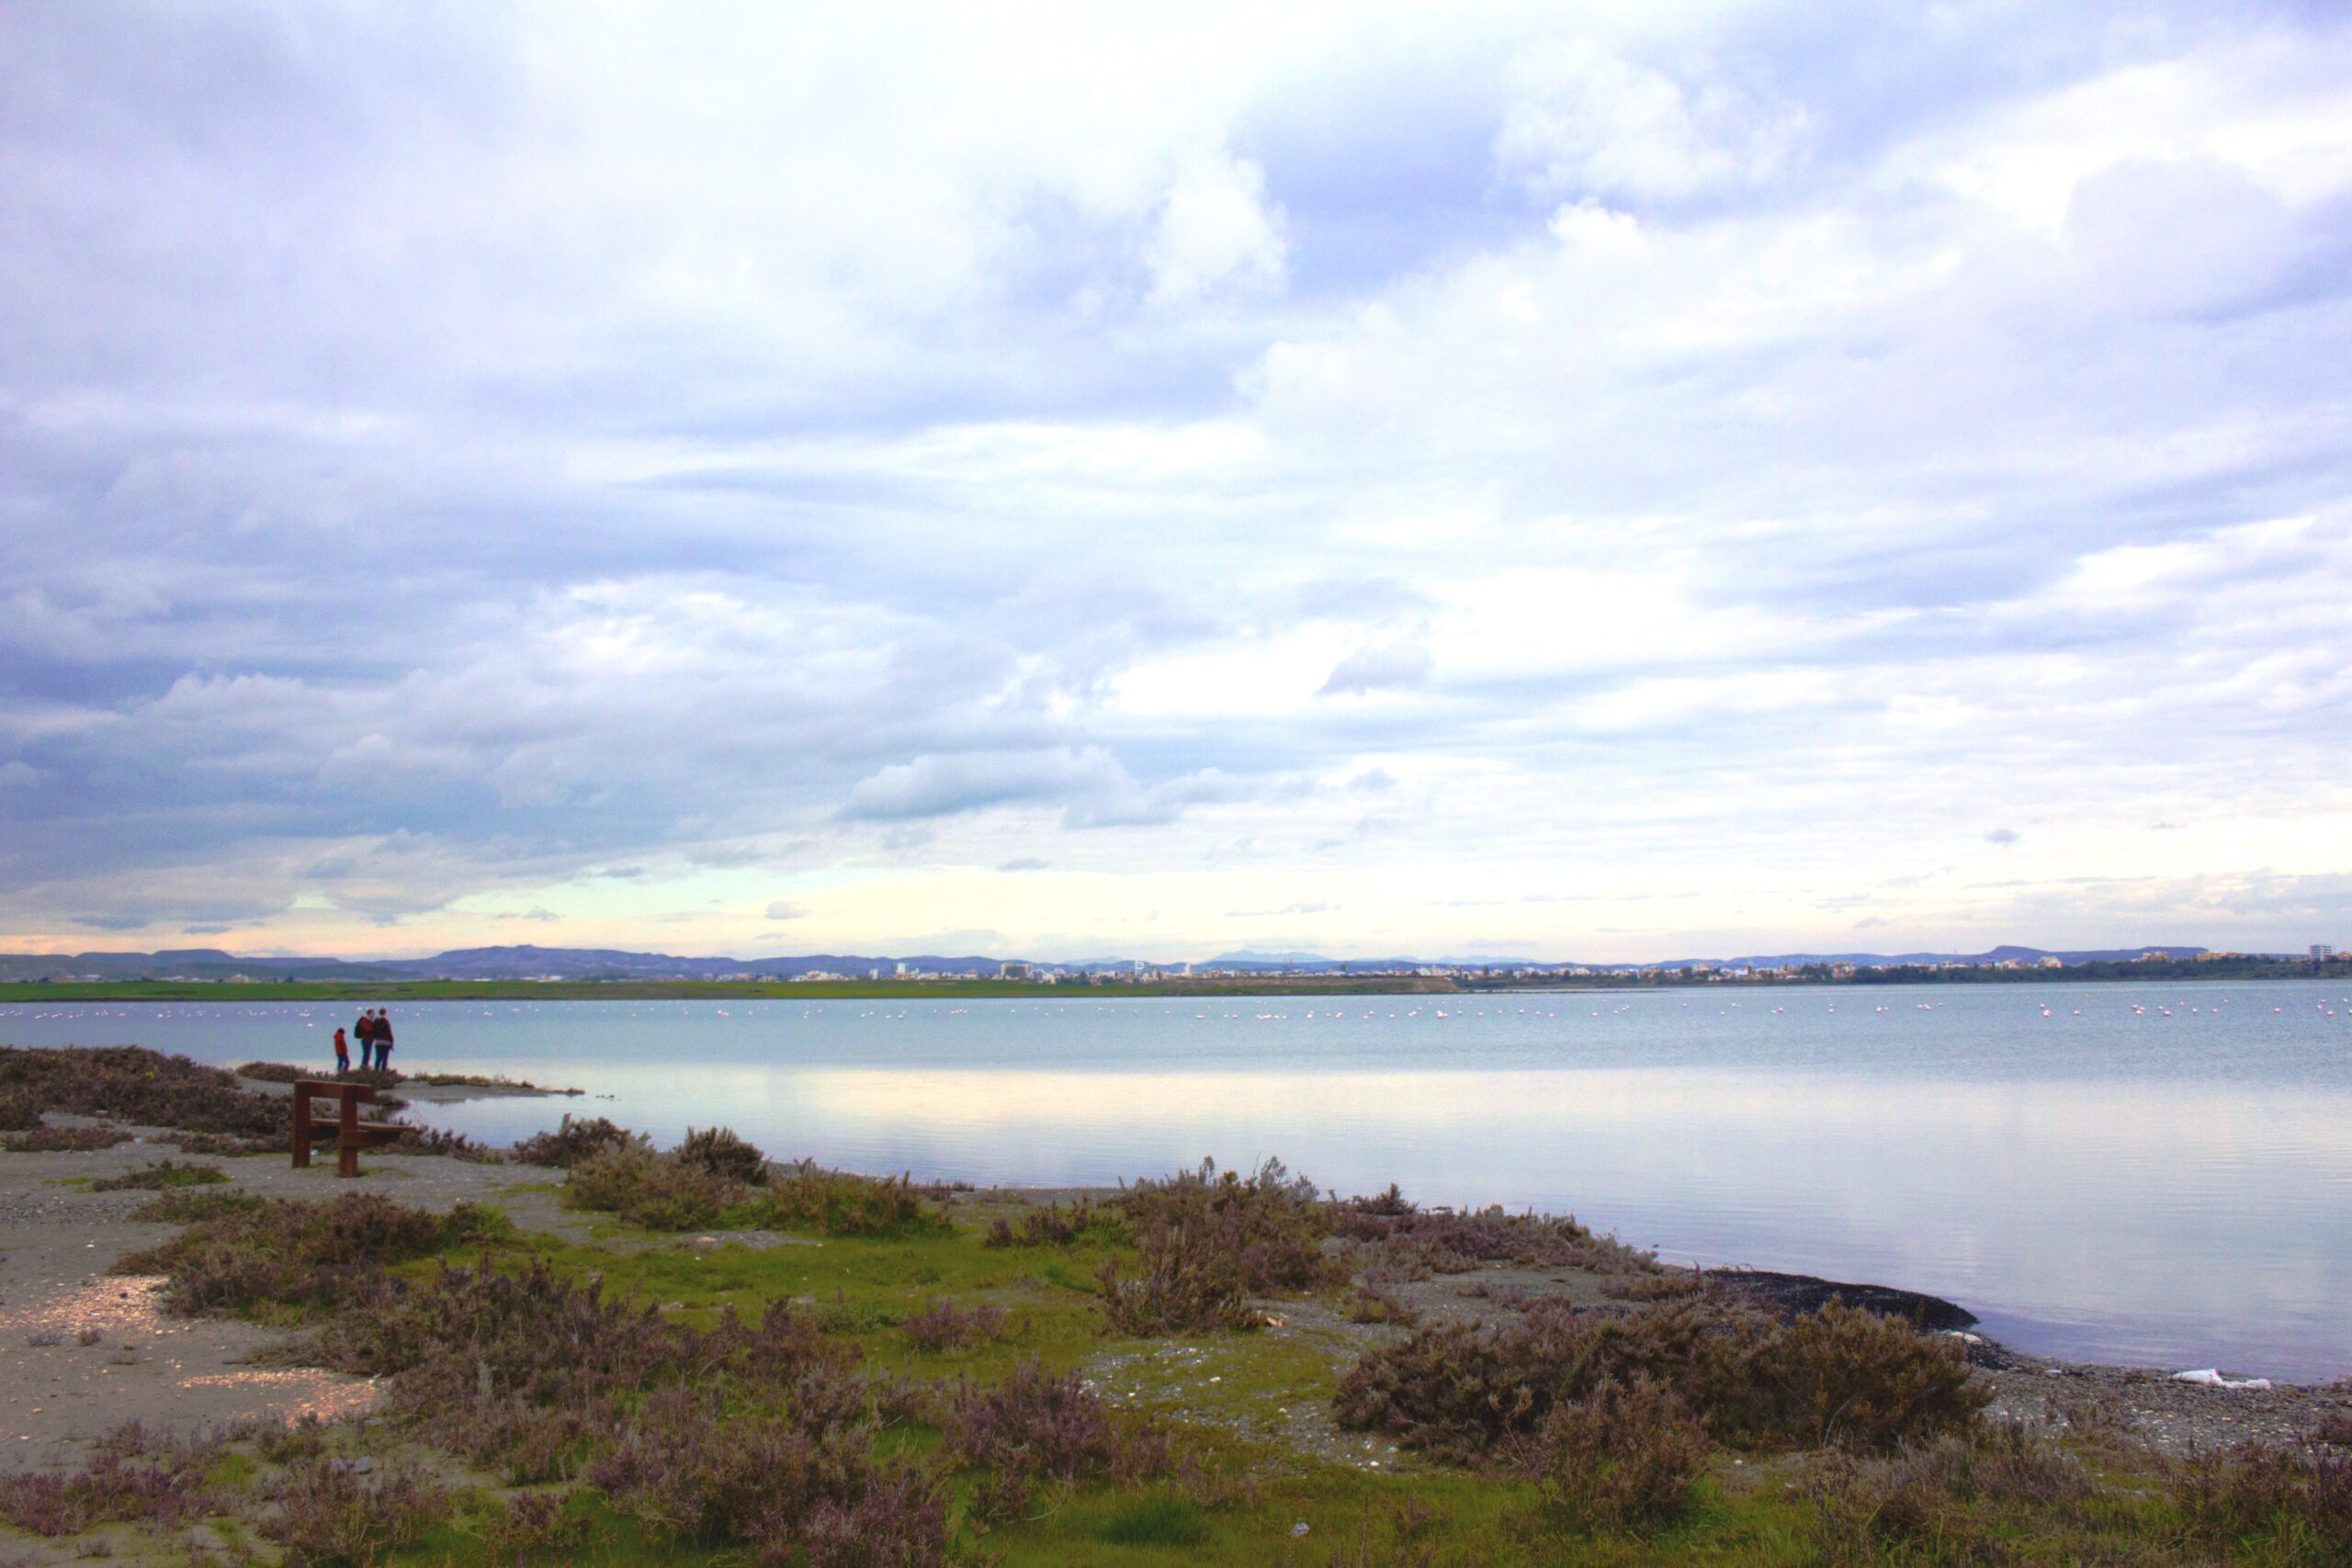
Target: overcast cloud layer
1590 483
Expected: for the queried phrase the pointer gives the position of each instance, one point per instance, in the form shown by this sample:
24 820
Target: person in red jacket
342 1054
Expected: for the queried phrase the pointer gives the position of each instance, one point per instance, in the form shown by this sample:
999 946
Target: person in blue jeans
383 1041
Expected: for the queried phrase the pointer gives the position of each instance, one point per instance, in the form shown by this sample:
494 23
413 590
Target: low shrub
532 1522
575 1140
1208 1242
1037 1425
19 1108
1627 1454
1840 1375
720 1152
416 1140
1949 1500
181 1205
225 1144
306 1256
839 1203
1055 1225
899 1521
650 1190
1369 1303
2295 1505
1413 1240
276 1072
65 1140
139 1087
162 1175
328 1514
135 1477
943 1325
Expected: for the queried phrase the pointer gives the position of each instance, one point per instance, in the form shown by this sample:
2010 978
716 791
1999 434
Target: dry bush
1038 1426
1369 1303
328 1515
720 1152
532 1522
287 1253
141 1087
1948 1500
1408 1240
1208 1242
19 1108
2296 1505
63 1140
943 1325
224 1144
650 1190
1665 1285
1467 1393
839 1203
134 1477
1840 1375
416 1140
743 1436
274 1072
1627 1454
1054 1225
575 1140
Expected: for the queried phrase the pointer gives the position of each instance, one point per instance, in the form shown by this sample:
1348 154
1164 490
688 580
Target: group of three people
374 1032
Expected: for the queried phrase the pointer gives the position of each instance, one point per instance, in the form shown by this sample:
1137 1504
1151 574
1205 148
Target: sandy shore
59 1240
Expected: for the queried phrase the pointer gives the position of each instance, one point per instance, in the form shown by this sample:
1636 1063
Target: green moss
1166 1519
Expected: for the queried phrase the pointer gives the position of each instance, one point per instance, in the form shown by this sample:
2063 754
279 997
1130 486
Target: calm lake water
2156 1174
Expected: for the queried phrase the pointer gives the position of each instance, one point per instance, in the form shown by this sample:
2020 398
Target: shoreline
22 992
59 1239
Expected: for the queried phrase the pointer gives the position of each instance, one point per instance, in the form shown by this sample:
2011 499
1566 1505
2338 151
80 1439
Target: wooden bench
346 1131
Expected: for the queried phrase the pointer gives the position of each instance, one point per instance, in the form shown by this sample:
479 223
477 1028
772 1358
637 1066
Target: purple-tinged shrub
134 1477
65 1140
1627 1454
306 1256
1206 1243
1037 1425
1055 1225
328 1514
942 1325
575 1140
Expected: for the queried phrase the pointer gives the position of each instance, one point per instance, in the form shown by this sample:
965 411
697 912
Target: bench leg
347 1159
301 1130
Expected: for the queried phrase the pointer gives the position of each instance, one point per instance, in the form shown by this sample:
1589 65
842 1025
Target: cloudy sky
1599 481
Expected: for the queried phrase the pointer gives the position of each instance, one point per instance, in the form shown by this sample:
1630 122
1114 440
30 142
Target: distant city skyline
1610 482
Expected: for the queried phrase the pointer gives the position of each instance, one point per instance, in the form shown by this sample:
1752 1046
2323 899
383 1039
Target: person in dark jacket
383 1041
365 1032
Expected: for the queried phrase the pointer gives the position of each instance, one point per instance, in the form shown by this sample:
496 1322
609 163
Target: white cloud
1025 474
1216 230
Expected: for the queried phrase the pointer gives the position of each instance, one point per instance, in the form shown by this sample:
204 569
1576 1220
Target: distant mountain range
607 963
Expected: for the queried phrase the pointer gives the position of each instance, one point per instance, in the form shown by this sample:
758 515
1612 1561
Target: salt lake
2157 1174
